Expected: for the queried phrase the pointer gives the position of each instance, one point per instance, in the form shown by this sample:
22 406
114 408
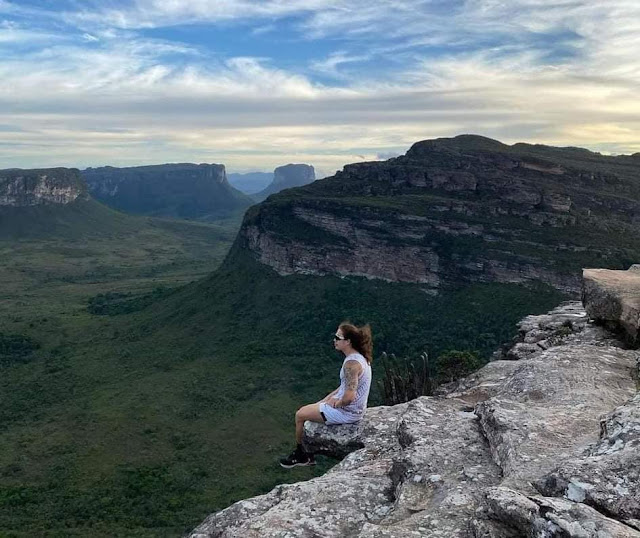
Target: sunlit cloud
257 84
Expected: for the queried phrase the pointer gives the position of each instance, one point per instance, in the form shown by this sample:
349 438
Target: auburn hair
360 338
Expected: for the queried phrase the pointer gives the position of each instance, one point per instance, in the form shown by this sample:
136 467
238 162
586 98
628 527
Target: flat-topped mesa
464 464
183 190
293 175
286 177
43 186
613 298
461 210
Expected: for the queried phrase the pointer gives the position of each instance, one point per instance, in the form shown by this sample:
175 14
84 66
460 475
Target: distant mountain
44 186
251 182
285 177
195 191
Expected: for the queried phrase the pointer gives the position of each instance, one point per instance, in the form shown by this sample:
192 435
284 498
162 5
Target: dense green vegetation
141 424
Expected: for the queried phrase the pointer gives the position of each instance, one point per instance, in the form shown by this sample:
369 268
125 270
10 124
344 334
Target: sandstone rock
607 475
614 297
548 406
438 467
20 188
544 517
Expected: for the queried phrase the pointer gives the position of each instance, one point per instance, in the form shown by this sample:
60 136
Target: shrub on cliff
454 364
406 379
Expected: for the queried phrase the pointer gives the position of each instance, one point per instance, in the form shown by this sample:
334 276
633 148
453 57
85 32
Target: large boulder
613 298
544 517
607 475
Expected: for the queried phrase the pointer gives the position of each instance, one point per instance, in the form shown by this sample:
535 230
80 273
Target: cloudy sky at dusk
256 84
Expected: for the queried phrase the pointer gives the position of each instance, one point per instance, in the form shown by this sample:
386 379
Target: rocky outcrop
173 190
286 177
466 209
465 463
21 188
613 298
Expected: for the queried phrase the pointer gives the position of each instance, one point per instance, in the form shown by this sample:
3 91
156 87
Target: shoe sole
308 464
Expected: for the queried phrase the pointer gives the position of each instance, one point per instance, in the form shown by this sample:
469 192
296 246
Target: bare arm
352 370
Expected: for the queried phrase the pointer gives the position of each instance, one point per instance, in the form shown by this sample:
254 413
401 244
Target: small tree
454 364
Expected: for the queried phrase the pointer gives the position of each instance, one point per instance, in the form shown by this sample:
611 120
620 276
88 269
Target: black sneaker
297 459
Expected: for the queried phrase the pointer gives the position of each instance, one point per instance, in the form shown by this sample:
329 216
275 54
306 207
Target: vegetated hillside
64 221
251 182
143 423
465 209
194 191
66 272
286 177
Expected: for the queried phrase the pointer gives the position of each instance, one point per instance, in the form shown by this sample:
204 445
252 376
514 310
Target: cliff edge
46 186
543 443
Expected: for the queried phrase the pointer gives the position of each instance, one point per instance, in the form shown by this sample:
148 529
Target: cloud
562 73
331 65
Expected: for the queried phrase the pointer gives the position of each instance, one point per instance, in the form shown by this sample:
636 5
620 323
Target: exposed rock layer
467 209
20 188
462 464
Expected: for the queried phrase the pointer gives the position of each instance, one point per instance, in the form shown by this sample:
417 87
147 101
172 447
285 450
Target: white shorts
337 416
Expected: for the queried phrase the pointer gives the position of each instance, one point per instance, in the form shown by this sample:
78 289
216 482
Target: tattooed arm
352 370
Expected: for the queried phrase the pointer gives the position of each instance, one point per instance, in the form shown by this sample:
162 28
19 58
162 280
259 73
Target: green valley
150 369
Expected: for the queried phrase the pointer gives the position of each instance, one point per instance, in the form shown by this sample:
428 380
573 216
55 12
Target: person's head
349 337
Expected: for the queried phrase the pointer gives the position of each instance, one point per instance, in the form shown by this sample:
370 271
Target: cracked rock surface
543 444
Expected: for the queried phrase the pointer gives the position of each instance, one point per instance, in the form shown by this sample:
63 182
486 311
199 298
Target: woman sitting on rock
346 404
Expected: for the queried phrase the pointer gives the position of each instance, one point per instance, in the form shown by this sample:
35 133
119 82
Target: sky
257 84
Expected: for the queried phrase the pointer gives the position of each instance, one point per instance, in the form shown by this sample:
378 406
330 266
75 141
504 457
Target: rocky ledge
20 188
544 443
613 298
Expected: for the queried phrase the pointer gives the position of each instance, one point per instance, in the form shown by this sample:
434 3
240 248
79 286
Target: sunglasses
336 337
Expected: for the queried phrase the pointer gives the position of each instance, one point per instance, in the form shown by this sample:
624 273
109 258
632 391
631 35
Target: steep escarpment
466 209
172 190
24 188
542 444
286 177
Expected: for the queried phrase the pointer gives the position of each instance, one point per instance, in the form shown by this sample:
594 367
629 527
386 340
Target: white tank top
359 405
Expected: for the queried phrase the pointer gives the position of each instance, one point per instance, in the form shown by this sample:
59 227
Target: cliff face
286 177
545 445
466 209
175 190
22 188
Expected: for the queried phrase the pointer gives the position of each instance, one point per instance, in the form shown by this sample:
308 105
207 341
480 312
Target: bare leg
308 412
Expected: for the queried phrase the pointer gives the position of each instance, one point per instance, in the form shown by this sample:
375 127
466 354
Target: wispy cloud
137 82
